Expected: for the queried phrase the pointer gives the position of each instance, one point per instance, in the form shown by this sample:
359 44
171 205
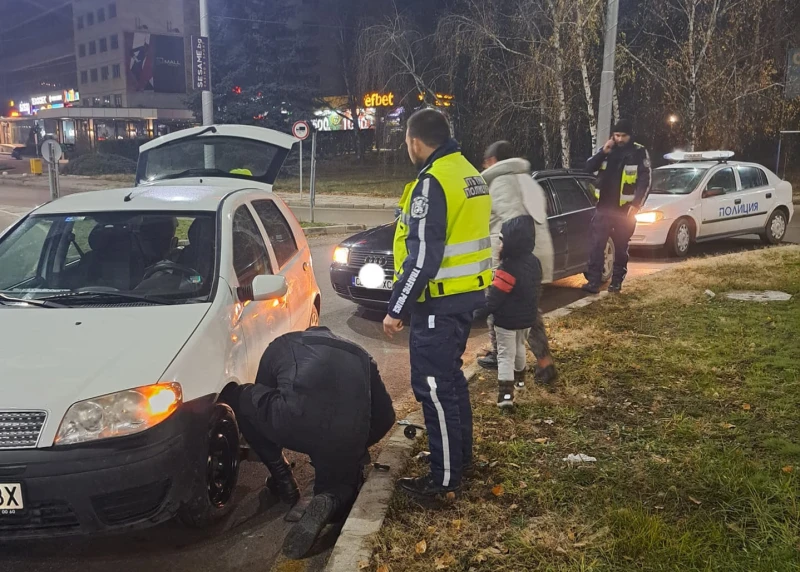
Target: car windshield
110 258
210 156
676 180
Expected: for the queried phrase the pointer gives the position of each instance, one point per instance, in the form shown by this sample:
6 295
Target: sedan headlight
341 255
649 217
118 414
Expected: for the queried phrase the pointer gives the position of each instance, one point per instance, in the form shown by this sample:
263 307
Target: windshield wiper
660 192
40 303
88 294
197 171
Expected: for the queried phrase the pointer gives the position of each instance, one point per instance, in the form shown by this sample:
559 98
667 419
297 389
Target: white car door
757 196
261 322
291 262
719 203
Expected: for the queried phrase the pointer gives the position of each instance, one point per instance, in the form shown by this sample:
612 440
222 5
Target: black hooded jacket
513 297
315 389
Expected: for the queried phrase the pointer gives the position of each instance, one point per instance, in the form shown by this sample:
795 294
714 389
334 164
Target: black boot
282 483
520 377
591 287
489 361
424 488
505 395
546 376
303 534
615 287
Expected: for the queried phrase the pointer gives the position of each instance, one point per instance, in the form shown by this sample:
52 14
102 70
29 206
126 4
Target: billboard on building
155 63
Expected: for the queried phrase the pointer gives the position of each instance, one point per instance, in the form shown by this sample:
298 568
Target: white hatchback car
125 313
704 196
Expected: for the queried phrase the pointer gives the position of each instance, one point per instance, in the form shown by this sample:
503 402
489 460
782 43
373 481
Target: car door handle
769 195
561 227
737 202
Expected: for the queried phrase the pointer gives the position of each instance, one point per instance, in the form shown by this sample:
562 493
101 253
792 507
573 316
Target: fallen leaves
456 524
695 501
523 485
498 490
727 425
746 406
541 440
788 469
383 568
364 564
421 547
444 561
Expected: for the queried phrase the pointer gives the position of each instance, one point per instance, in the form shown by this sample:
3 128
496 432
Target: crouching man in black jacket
323 396
513 300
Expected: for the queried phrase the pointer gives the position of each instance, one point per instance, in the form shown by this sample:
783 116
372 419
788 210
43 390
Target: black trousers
337 470
616 224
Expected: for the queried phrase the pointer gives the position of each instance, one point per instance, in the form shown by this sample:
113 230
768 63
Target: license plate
387 284
11 501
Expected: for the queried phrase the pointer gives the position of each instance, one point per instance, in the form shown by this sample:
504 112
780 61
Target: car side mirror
713 192
264 288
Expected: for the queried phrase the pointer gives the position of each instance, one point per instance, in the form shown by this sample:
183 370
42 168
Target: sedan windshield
676 180
110 258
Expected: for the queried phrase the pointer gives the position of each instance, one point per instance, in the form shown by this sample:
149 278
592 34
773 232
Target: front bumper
651 235
342 282
107 486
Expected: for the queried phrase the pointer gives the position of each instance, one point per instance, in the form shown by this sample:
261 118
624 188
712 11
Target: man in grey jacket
516 193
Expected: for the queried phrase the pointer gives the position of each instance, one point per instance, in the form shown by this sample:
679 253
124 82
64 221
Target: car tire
212 493
775 230
680 238
608 261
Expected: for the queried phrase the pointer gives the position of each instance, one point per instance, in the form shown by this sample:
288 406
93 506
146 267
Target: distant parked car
704 196
571 205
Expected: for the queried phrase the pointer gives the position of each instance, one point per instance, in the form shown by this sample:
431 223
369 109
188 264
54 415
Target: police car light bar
687 156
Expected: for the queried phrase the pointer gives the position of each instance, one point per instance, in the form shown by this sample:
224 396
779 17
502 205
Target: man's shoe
282 483
615 287
424 488
519 380
489 361
591 288
303 534
546 376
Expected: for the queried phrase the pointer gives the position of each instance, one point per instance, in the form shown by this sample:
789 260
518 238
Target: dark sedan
570 204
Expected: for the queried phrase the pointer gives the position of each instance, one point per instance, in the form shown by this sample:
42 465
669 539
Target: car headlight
649 217
341 255
117 414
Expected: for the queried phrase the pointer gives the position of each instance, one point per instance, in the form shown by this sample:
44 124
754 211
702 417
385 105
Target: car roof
155 198
710 164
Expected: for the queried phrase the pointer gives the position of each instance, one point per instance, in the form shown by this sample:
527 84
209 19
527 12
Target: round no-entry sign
300 130
56 149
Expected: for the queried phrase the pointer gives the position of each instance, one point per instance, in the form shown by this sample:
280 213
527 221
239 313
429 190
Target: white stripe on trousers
443 429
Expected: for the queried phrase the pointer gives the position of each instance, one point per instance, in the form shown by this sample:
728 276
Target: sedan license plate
386 285
11 501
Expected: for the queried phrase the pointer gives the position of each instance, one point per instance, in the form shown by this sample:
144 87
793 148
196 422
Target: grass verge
690 405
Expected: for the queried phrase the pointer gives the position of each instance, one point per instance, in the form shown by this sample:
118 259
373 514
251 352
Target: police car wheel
776 228
212 491
680 238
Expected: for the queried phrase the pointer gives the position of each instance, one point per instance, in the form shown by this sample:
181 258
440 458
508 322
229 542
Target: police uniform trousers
610 222
436 347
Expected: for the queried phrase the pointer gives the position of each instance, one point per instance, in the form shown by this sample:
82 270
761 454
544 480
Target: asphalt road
251 538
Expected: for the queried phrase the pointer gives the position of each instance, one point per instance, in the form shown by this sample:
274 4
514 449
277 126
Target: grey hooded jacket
516 193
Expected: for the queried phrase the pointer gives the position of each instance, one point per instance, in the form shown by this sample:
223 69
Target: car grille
370 294
55 517
359 258
20 429
131 505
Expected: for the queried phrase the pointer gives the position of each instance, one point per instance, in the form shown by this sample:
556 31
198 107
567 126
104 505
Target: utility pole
607 80
206 95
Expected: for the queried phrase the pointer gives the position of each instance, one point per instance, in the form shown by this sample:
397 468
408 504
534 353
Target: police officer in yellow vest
623 182
443 264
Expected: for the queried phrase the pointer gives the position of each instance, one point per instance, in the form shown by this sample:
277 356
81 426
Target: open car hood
274 144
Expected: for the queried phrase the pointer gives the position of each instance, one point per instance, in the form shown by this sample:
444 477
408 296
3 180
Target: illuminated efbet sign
379 100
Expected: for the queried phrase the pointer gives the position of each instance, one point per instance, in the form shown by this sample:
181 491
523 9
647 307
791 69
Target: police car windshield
676 180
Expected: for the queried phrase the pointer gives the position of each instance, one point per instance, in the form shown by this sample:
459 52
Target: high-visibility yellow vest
467 263
630 174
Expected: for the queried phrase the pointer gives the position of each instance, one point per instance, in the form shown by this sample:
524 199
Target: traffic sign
301 130
51 147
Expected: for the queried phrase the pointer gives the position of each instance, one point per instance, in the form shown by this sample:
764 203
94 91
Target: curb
353 548
334 229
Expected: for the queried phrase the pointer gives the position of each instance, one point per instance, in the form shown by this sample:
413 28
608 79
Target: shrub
92 164
124 147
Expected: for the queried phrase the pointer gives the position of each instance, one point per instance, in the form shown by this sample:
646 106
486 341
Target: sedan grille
359 258
20 429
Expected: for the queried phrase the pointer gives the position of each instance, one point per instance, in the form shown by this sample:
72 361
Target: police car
705 196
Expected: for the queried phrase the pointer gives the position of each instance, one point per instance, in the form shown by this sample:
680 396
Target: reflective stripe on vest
467 261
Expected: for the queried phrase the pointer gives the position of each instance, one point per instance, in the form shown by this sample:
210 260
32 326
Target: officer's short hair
429 126
500 150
